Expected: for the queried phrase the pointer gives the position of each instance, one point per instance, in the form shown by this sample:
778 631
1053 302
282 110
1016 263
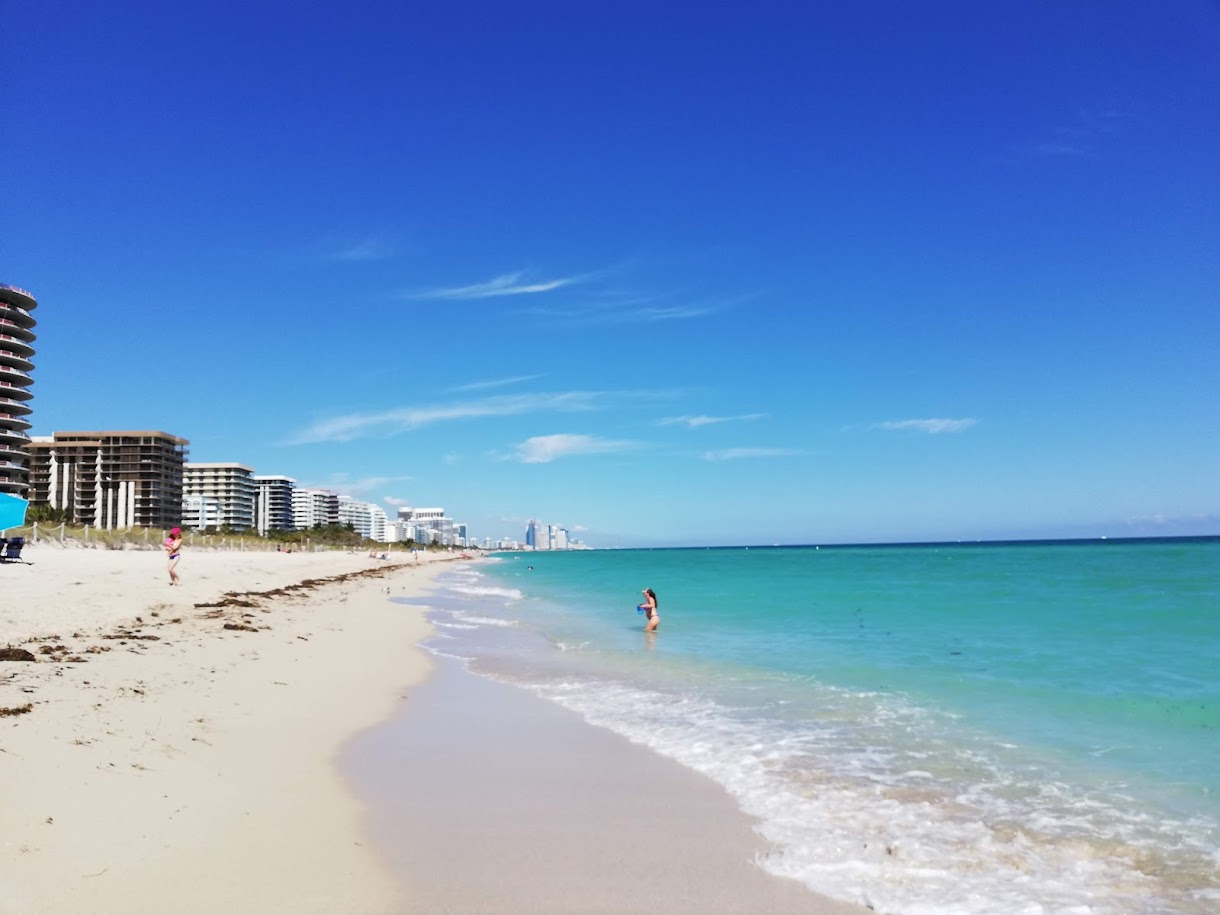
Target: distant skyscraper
16 350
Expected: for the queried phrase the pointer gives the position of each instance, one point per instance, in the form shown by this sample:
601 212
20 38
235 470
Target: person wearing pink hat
173 546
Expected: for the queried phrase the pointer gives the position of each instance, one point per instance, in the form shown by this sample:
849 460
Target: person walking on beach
650 610
173 546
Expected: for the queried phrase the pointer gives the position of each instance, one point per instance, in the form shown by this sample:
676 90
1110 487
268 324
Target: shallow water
926 729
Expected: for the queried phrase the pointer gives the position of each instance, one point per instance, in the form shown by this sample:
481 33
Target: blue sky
663 273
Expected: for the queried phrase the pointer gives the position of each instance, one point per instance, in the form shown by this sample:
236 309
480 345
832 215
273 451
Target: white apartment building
216 495
273 503
428 525
367 519
314 507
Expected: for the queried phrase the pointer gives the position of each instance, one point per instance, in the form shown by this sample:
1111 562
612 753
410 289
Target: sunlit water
927 729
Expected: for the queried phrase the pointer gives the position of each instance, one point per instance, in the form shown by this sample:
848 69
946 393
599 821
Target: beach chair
12 550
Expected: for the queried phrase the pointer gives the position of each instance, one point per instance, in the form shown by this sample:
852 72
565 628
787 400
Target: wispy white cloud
694 422
370 249
656 313
1200 522
616 309
928 426
542 449
357 488
505 284
734 454
496 383
395 501
389 422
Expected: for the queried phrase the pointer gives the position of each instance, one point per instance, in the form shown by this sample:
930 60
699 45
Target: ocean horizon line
894 544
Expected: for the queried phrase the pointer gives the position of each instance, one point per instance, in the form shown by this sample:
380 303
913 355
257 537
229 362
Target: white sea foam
436 650
487 591
482 620
849 820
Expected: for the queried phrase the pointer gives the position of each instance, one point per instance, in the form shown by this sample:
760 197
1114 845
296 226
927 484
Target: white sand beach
167 763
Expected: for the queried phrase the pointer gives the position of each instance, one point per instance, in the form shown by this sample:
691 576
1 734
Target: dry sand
170 764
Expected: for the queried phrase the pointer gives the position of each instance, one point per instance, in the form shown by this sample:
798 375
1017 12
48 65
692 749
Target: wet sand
487 799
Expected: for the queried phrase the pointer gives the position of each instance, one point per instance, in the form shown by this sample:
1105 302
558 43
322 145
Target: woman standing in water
173 546
650 610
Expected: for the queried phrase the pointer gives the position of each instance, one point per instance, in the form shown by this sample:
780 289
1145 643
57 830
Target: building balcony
13 406
14 360
8 373
15 344
13 329
18 316
19 294
13 420
13 438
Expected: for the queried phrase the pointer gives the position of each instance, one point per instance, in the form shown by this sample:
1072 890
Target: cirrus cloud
927 426
389 422
694 422
734 454
542 449
505 284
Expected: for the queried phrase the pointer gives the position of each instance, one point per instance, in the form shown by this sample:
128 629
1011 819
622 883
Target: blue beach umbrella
12 511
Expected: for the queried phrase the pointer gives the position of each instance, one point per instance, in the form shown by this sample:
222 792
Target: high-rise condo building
273 503
428 525
368 519
313 508
16 350
110 479
218 495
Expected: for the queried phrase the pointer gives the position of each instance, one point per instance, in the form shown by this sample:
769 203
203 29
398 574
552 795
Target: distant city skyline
659 275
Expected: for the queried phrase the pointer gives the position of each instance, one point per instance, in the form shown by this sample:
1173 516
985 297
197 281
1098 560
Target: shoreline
486 798
174 749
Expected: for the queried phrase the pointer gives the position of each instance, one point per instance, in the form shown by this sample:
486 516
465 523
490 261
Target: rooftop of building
98 436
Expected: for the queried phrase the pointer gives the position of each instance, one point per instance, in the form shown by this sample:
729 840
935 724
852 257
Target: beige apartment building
110 480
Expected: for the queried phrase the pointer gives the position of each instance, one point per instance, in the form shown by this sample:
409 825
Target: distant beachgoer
173 546
650 610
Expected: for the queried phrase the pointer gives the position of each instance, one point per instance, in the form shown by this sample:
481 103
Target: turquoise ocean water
989 728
